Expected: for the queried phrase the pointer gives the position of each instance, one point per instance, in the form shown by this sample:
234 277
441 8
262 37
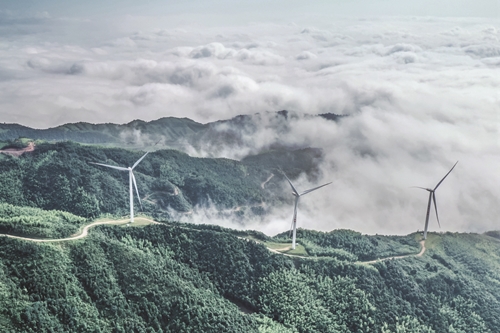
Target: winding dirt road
422 251
84 232
263 185
19 152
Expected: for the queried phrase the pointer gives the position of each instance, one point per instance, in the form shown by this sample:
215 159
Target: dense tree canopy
60 177
175 277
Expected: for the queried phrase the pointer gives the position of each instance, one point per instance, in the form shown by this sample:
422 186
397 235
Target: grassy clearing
139 222
285 248
112 219
432 241
300 250
278 246
124 222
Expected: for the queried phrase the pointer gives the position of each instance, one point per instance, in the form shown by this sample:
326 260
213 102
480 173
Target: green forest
184 277
59 177
38 223
178 278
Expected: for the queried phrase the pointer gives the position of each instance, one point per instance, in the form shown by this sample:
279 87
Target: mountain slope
170 129
183 278
60 177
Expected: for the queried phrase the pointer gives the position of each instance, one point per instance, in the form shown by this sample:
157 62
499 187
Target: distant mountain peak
182 134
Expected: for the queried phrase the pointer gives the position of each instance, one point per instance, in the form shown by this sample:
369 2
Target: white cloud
216 50
421 93
484 50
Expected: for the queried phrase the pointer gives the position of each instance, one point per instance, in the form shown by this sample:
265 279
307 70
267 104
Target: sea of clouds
420 93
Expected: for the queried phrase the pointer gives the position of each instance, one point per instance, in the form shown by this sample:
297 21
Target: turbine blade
445 176
290 182
139 160
111 166
435 207
136 190
314 189
423 188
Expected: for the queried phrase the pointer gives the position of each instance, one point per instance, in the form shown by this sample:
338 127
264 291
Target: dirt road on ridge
263 185
19 152
84 233
422 251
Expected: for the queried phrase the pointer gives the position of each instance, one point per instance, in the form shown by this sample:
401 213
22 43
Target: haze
420 82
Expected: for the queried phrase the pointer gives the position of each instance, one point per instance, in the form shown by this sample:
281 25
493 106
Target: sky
420 82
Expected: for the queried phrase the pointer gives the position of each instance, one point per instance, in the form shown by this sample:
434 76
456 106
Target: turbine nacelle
423 188
132 183
293 228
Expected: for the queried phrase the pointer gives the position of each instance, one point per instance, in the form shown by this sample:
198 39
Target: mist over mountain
372 157
210 139
420 92
378 97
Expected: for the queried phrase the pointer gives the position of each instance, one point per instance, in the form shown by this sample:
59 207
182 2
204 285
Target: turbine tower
297 196
131 180
432 197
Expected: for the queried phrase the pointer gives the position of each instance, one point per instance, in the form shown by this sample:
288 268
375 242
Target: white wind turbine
297 196
432 196
131 180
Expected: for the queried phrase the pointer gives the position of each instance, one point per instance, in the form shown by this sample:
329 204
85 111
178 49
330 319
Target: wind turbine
432 196
297 196
131 179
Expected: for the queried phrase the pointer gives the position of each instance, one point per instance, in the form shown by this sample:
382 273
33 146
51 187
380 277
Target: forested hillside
36 222
176 278
170 129
59 177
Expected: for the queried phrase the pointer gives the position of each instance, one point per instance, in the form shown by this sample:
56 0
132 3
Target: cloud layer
421 93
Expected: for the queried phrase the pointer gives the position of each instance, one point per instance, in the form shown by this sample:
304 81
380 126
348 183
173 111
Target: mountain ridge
169 132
